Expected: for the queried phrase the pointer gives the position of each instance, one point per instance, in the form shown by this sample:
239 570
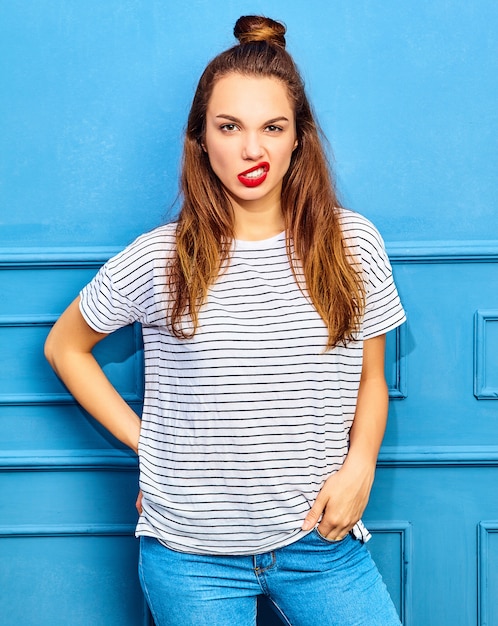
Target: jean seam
262 570
279 610
144 584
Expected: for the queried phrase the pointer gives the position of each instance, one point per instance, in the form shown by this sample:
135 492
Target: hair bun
250 28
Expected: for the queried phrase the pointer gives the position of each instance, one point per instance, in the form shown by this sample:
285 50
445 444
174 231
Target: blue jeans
310 582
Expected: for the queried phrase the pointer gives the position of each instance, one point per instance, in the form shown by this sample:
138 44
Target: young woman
264 309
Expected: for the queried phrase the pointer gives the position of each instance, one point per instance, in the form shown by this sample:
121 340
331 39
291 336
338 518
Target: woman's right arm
68 349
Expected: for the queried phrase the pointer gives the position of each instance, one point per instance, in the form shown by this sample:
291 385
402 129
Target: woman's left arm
344 495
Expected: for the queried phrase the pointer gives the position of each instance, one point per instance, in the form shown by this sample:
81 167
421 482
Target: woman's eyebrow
225 116
236 120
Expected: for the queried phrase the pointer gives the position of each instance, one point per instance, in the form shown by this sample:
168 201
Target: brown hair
309 204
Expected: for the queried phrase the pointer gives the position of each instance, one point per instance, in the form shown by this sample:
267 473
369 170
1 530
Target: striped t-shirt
242 423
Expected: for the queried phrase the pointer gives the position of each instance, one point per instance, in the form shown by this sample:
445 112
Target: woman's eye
228 128
273 129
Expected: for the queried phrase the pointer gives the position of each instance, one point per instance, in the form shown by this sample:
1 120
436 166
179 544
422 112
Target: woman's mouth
254 176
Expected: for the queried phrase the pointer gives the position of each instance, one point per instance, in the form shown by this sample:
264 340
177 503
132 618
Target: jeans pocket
323 539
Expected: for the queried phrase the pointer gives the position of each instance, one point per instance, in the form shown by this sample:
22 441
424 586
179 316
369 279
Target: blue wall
93 101
94 98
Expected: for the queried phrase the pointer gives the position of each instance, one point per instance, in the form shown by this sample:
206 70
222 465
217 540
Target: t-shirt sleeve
130 287
383 308
104 307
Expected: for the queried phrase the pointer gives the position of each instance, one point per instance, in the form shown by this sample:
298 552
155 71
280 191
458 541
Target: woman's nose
252 148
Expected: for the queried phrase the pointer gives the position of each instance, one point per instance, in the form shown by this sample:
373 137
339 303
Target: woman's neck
254 224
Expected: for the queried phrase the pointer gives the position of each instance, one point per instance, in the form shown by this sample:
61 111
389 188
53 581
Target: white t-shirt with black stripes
243 423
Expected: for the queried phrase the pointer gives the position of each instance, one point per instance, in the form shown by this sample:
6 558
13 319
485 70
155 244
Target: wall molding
67 530
398 387
404 529
482 389
468 251
464 251
55 258
485 594
390 457
68 460
438 456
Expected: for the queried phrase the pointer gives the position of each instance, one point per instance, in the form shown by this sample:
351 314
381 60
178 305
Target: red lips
250 178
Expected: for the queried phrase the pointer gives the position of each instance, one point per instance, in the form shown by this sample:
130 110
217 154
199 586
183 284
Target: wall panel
488 573
391 548
486 355
71 487
76 575
67 518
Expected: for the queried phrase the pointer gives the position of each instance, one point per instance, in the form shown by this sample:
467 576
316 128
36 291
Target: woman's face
250 137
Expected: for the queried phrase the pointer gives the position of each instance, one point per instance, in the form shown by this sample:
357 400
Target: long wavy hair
205 226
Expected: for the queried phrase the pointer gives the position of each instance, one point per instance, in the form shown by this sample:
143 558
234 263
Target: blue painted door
93 98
